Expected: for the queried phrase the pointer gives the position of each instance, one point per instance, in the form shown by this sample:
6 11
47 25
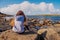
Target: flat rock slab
10 35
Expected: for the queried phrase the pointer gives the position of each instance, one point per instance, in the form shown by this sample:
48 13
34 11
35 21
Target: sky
30 7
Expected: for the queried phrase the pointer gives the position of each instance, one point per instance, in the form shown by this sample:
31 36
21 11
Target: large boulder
47 34
10 35
43 34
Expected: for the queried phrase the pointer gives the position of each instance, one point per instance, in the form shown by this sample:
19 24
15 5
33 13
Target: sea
53 18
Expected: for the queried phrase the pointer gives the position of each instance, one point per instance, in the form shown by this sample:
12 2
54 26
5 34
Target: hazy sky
30 7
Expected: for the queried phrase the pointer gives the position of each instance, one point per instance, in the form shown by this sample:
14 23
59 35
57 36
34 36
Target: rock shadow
41 36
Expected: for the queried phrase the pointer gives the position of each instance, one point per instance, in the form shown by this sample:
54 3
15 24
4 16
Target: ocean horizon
54 18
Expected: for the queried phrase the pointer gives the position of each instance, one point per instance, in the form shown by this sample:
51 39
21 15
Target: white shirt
19 27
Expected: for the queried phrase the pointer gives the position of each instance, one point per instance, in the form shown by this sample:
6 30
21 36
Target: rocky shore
34 26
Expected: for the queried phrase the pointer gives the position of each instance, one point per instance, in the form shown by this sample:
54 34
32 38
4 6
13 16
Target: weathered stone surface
10 35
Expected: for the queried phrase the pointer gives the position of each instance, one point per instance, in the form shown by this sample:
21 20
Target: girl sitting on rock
19 22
